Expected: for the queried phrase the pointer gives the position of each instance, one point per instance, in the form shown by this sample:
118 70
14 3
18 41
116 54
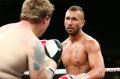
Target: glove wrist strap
84 75
51 70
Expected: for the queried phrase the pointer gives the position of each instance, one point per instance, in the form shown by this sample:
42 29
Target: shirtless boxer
20 48
81 56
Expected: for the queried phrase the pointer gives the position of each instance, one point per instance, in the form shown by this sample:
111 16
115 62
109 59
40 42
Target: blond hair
35 10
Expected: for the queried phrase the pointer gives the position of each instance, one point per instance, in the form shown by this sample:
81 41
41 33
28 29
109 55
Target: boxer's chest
74 55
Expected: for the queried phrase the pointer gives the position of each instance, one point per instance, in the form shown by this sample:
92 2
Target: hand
83 76
67 76
80 76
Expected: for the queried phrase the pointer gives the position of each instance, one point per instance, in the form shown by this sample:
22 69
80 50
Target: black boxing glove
53 49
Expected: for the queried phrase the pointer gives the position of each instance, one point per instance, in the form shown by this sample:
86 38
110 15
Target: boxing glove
67 76
80 76
53 49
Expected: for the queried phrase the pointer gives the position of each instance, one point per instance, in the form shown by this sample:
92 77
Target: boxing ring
60 72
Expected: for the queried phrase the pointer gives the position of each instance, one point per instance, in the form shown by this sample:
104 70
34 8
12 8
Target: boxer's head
35 10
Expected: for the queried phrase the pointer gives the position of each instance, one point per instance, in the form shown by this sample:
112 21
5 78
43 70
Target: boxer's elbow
97 73
101 73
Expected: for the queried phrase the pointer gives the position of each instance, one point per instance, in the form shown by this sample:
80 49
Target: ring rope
63 71
112 69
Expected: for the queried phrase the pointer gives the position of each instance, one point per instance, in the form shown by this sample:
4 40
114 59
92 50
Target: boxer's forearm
51 67
96 73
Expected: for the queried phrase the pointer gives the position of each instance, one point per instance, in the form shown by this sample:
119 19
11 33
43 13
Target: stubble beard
72 32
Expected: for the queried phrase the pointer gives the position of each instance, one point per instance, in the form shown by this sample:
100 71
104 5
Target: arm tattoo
39 63
38 57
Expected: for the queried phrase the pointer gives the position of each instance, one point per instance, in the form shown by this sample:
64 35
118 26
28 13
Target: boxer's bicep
36 62
95 55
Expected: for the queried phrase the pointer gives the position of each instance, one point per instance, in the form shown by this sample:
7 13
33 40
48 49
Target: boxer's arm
39 68
51 67
95 60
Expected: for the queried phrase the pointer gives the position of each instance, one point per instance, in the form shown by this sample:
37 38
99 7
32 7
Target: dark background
102 23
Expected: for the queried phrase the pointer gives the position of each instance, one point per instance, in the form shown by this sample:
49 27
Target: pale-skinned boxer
20 48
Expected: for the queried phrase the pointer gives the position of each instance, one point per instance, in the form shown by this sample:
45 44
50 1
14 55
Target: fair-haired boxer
81 56
20 48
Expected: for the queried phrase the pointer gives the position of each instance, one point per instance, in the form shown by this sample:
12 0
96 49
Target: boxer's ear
46 18
83 22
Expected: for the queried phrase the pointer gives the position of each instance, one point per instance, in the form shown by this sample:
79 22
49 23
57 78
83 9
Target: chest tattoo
76 53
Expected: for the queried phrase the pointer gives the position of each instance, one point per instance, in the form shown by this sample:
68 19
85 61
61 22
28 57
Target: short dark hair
75 7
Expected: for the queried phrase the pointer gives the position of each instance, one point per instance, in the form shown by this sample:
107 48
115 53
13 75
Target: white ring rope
112 69
58 71
63 71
